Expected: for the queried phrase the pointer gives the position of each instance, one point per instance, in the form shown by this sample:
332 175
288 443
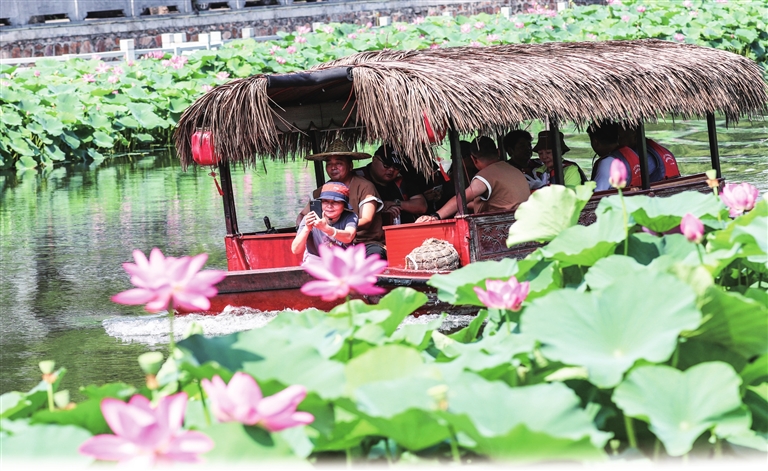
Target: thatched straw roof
382 96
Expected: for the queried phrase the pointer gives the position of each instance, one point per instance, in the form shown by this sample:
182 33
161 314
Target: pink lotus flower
402 28
273 50
241 401
113 79
130 63
102 68
37 73
89 78
206 88
641 9
617 177
146 435
161 280
154 55
301 39
434 46
222 75
418 20
96 57
118 70
466 28
340 271
692 228
552 13
475 44
625 18
280 60
739 198
492 38
687 4
327 29
508 294
694 14
369 24
479 25
591 36
290 50
352 36
519 25
303 29
679 37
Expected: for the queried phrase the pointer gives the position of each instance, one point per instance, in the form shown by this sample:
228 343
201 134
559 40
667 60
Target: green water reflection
64 235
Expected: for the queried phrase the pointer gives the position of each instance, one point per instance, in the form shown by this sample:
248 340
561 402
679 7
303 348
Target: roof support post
230 215
714 152
319 172
642 150
557 151
457 169
500 146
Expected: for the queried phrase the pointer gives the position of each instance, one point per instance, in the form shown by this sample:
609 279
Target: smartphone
317 207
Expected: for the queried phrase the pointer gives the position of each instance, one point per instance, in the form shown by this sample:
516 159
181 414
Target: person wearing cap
497 186
604 138
363 196
573 176
336 226
399 194
517 144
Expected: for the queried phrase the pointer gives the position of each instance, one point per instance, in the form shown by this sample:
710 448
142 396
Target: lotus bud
618 174
440 394
692 228
47 366
712 181
61 399
151 362
614 444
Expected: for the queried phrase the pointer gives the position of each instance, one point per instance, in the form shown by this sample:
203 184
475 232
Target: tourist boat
409 98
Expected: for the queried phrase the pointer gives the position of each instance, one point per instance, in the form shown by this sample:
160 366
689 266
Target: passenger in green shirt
572 173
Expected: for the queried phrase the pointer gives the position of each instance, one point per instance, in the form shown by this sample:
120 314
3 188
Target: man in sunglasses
402 199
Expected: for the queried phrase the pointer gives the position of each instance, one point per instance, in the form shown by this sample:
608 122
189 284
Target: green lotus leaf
661 214
10 117
735 321
416 335
102 139
237 443
547 213
585 245
37 443
552 412
607 331
385 363
681 405
755 372
146 116
606 270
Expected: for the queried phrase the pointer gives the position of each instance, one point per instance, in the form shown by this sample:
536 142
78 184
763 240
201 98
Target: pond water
65 233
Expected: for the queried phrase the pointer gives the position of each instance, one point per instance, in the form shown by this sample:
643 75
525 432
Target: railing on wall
41 12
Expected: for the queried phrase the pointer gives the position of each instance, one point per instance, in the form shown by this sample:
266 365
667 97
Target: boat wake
153 329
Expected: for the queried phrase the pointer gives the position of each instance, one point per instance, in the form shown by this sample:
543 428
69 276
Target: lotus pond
66 231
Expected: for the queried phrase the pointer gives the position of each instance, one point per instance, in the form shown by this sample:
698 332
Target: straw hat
338 148
545 143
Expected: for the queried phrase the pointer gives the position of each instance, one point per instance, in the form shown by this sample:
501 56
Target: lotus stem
626 222
171 315
351 325
49 388
698 250
388 451
348 452
205 406
630 431
656 449
676 355
454 445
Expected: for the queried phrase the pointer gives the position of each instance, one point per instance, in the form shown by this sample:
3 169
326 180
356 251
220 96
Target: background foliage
88 109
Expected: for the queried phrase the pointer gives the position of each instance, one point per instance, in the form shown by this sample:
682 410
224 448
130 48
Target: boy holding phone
329 222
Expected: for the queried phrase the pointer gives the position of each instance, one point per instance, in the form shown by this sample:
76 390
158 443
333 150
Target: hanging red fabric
218 187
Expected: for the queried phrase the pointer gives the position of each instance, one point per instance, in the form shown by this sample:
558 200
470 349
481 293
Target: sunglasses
386 165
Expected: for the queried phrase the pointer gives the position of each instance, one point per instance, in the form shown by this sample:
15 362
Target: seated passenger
363 197
337 226
661 163
401 196
573 176
604 137
517 144
497 186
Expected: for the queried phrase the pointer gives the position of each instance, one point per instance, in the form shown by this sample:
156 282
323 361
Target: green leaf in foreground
548 212
607 331
45 442
679 405
456 287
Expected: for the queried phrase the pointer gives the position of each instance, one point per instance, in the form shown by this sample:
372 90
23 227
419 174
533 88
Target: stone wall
105 36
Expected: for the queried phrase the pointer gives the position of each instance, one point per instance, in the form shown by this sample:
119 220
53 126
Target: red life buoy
203 152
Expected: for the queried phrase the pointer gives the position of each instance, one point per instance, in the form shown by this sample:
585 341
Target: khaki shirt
506 188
